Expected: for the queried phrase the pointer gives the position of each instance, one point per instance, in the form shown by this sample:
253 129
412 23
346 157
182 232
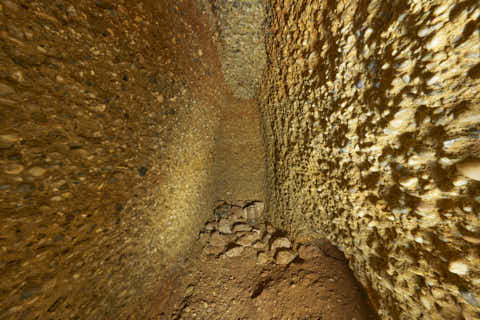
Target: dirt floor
260 274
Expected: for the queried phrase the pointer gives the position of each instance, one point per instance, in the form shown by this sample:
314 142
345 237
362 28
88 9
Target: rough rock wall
372 122
105 152
239 24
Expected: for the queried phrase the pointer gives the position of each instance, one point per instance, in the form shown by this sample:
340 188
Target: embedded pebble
410 183
26 188
284 257
98 108
14 168
10 5
9 138
470 169
474 240
5 90
81 153
37 171
458 267
470 298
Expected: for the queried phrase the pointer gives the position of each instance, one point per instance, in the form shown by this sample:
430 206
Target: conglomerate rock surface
372 124
117 133
109 115
240 28
121 122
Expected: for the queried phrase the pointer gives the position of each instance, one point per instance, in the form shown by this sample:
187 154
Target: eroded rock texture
372 123
105 153
242 50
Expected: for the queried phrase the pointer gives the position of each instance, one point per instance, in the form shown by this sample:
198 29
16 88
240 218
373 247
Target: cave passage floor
242 268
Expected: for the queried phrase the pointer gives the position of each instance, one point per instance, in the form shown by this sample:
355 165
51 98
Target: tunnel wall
372 123
105 153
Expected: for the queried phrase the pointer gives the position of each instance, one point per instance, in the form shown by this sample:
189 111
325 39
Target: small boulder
210 226
212 251
284 257
270 229
218 240
307 252
263 258
238 214
254 212
280 243
240 227
225 226
37 171
248 239
234 252
222 210
203 238
259 245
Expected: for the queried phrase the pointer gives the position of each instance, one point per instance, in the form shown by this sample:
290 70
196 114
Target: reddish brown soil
313 286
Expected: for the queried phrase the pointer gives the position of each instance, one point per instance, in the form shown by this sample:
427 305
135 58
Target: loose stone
259 245
240 227
308 252
262 258
212 250
203 238
280 243
248 239
285 257
210 226
217 240
234 252
225 226
238 214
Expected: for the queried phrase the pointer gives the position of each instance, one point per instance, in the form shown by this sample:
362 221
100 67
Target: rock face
241 49
106 150
368 108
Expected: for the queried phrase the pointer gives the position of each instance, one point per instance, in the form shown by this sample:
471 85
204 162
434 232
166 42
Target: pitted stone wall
105 153
372 121
240 29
